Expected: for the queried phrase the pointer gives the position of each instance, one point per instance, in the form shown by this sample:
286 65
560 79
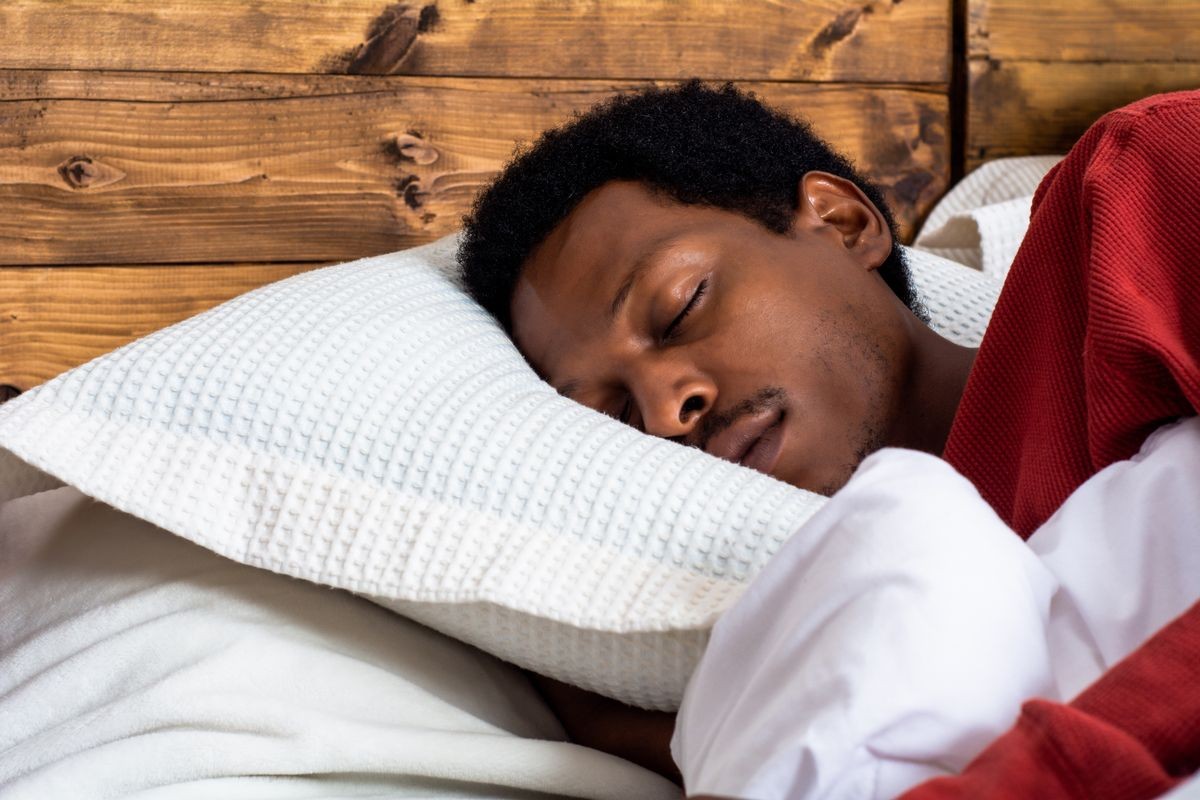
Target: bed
187 155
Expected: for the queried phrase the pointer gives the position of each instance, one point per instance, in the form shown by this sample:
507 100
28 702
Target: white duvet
900 630
136 664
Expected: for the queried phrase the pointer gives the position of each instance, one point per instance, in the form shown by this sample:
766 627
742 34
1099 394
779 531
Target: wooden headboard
1039 72
159 158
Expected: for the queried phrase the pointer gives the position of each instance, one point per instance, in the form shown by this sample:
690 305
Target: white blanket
136 664
899 631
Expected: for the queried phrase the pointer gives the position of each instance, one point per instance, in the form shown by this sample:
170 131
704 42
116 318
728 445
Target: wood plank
181 87
335 173
52 319
823 40
1085 30
1023 108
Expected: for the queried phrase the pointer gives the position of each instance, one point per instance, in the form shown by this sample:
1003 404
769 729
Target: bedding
981 221
838 675
368 427
1096 344
134 663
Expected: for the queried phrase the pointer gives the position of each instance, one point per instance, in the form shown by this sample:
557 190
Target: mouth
754 440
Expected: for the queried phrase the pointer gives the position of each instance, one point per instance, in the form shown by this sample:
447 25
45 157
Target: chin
827 482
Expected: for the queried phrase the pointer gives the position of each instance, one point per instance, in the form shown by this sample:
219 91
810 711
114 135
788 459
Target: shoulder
1157 108
1149 147
1164 128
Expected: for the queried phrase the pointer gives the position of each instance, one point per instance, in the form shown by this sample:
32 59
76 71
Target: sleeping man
707 270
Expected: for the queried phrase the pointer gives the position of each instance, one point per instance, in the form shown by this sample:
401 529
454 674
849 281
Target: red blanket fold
1094 344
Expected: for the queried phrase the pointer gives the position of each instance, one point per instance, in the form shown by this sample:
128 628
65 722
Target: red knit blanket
1094 344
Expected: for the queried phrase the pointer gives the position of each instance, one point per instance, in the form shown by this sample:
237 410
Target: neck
936 379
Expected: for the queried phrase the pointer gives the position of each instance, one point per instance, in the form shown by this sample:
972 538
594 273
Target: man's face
786 353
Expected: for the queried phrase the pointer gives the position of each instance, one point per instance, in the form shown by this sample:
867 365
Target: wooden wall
158 157
1041 71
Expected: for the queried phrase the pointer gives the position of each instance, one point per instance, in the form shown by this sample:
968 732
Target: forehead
608 227
565 291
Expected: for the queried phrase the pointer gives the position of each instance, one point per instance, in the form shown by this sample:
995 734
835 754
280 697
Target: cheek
840 379
847 371
766 323
832 356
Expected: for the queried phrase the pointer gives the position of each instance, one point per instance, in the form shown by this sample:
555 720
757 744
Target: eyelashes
673 330
626 410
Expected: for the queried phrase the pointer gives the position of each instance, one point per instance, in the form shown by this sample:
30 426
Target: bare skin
787 353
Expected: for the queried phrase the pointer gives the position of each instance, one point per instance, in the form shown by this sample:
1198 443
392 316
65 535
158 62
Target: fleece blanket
136 664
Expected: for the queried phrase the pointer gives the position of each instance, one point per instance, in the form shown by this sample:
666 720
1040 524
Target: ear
836 207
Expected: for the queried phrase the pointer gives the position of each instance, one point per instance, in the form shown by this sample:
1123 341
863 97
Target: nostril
693 405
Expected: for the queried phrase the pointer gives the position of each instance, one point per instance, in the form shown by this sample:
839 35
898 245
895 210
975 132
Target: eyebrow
640 267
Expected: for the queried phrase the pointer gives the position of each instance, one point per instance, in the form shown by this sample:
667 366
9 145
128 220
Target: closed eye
626 414
673 329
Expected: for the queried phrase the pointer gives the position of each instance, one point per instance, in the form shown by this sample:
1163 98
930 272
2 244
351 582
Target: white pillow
369 427
981 222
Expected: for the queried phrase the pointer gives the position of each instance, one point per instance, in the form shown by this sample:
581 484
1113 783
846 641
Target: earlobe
839 208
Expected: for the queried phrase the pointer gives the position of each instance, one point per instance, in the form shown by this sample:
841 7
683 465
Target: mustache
715 422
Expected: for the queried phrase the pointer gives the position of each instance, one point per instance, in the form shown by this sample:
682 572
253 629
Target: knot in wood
411 147
409 188
391 37
77 171
82 172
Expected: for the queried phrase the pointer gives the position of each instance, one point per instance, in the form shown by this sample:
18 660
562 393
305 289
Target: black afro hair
700 145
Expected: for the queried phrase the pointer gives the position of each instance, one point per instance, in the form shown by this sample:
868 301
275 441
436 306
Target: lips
753 440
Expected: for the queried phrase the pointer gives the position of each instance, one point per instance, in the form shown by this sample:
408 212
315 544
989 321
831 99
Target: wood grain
1023 108
271 168
156 146
1040 73
55 318
1085 30
824 40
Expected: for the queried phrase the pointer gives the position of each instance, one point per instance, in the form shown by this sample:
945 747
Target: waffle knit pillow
369 427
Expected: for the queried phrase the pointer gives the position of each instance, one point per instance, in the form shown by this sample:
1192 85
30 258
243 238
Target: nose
672 398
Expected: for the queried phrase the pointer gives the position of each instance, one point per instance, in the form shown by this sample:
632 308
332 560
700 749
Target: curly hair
700 145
